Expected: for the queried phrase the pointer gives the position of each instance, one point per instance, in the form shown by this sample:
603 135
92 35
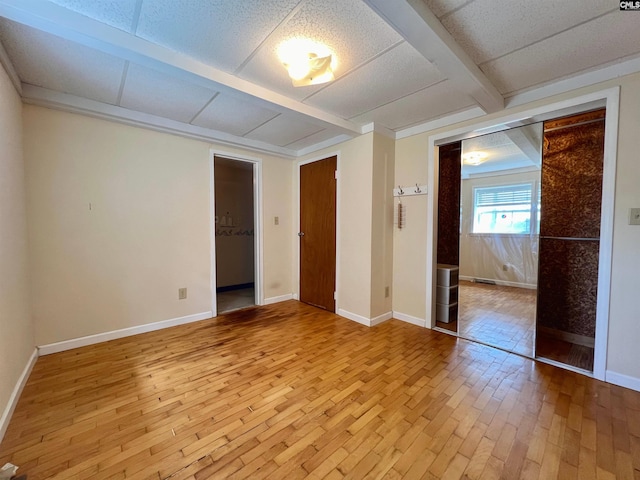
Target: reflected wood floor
288 391
504 317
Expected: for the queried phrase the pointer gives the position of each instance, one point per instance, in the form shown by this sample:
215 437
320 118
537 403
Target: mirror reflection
499 236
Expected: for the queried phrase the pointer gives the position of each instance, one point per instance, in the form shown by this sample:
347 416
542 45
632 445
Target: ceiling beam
64 23
526 142
65 102
421 28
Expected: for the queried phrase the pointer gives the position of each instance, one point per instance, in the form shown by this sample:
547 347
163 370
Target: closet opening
519 252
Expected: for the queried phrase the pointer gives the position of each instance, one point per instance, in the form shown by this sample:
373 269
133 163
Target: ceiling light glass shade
474 158
312 72
308 62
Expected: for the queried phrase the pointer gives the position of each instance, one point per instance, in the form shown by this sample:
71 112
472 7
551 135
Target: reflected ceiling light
474 158
308 62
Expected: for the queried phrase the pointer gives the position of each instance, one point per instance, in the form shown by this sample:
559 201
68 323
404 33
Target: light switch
634 216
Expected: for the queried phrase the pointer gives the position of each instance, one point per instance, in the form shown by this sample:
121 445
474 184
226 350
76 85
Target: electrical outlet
276 220
182 293
634 216
386 292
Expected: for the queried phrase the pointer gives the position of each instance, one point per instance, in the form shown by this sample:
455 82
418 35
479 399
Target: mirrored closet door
518 238
499 233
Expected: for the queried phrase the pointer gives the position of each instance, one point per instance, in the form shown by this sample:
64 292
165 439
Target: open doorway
234 234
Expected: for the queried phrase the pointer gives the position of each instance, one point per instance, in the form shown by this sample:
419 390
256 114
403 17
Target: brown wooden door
318 233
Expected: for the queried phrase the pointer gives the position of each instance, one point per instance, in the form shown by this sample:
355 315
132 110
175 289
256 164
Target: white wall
409 243
382 225
624 328
624 316
483 255
16 332
119 262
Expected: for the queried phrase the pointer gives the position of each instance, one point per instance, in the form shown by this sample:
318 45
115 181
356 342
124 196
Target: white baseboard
278 299
504 283
354 316
15 395
295 296
125 332
421 322
622 380
381 318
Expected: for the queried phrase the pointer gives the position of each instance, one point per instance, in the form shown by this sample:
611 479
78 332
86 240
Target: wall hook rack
407 192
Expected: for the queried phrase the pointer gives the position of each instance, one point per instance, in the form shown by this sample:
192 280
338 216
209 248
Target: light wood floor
288 391
504 317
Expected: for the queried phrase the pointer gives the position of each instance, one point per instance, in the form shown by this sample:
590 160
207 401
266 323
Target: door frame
296 224
258 266
611 99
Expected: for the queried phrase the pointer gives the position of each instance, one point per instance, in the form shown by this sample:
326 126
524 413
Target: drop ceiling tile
118 14
48 61
348 27
313 139
581 49
157 93
232 115
487 29
283 130
442 7
399 72
428 104
221 33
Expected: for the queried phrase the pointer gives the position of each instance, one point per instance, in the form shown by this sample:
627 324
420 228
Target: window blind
504 195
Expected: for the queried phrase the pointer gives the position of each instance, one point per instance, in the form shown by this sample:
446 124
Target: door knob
301 234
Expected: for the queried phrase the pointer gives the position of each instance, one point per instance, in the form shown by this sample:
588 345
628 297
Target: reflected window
506 209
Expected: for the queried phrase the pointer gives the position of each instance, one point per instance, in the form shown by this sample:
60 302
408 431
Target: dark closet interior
448 249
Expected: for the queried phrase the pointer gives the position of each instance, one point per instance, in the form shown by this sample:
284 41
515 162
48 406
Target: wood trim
381 318
15 394
65 345
278 299
420 322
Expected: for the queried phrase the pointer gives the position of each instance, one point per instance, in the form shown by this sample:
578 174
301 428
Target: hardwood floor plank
313 395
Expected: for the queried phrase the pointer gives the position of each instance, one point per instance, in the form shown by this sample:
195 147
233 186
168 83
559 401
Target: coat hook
400 191
418 189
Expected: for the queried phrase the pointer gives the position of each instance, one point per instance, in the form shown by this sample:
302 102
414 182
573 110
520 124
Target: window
506 209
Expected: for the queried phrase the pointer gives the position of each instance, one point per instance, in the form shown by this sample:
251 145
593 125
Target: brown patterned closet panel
568 285
572 178
572 166
449 177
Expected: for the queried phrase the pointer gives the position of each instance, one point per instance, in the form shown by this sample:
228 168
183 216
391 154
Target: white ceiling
209 67
510 151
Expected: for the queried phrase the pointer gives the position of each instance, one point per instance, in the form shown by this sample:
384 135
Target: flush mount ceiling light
308 62
474 158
